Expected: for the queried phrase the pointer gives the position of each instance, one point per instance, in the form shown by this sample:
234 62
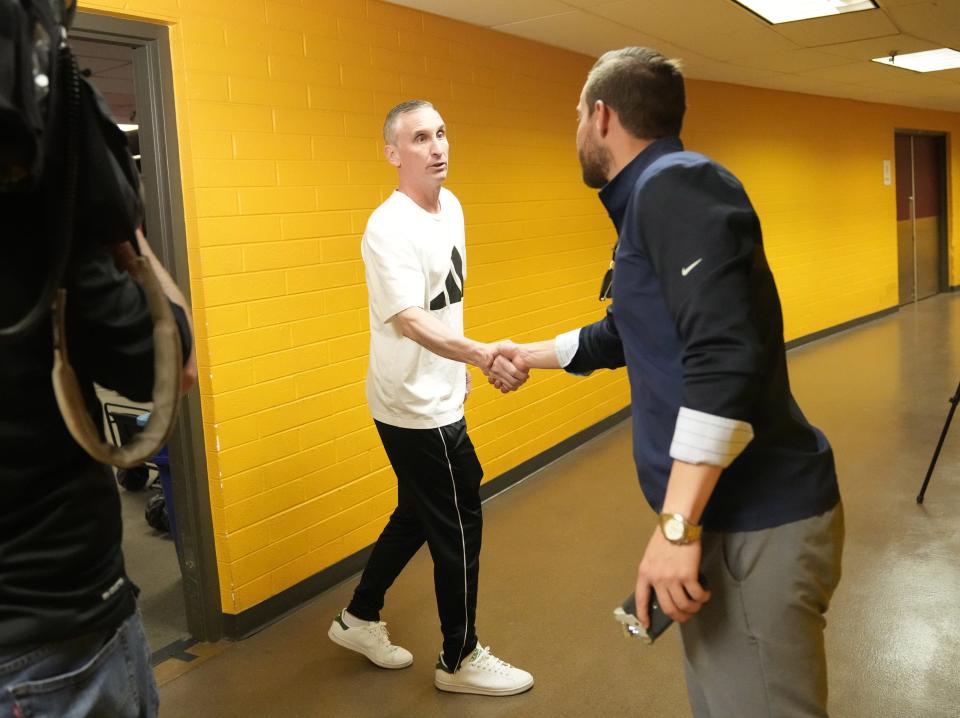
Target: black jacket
61 568
696 319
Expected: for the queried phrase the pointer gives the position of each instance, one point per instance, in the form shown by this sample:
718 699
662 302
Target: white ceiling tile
853 72
950 76
489 12
585 3
947 105
920 100
661 17
712 29
886 97
792 61
846 27
810 85
589 34
692 63
879 77
719 40
916 82
723 72
939 22
877 47
826 90
925 12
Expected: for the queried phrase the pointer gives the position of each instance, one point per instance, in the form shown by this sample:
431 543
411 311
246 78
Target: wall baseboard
244 624
806 339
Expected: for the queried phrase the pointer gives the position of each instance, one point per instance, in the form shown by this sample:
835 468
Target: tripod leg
936 453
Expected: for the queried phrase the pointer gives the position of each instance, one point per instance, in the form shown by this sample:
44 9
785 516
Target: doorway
921 217
129 62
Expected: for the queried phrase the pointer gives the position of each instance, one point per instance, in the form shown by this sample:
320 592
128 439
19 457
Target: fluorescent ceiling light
927 61
777 11
127 128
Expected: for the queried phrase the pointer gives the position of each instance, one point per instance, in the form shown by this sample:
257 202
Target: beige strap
168 369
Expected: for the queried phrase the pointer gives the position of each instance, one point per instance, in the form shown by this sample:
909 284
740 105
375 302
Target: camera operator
71 638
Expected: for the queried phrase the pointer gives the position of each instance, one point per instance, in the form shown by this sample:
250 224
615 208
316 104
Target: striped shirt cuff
701 438
566 346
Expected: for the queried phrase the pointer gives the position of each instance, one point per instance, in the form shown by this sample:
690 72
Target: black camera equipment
954 400
55 129
38 140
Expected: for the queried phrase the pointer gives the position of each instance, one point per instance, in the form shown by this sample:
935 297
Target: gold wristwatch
677 530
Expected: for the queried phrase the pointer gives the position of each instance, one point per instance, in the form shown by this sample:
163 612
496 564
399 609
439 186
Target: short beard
595 163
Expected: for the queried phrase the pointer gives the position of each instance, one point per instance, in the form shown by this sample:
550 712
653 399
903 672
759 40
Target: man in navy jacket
744 485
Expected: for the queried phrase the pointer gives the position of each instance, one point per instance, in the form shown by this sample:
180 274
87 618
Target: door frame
160 158
943 280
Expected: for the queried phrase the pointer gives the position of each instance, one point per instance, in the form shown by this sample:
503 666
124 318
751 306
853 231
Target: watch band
677 530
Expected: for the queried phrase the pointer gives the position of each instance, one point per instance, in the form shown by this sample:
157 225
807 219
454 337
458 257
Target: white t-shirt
413 258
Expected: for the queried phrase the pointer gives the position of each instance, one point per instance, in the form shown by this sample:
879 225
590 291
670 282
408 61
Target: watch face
673 529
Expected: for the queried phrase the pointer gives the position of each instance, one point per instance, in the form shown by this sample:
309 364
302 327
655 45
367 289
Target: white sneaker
484 674
371 640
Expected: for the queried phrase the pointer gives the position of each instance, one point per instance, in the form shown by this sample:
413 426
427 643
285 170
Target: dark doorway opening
130 63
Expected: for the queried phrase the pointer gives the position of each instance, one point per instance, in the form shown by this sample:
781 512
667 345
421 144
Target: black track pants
438 480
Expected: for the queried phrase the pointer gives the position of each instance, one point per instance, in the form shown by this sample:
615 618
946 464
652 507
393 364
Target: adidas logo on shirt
453 287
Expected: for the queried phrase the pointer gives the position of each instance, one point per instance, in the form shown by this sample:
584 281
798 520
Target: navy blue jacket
697 320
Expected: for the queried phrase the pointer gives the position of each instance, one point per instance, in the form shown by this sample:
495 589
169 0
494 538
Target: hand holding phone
626 615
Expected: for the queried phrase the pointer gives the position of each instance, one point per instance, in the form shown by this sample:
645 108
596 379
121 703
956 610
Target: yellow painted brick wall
279 107
813 167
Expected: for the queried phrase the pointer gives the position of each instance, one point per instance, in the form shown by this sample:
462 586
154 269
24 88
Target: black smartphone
626 616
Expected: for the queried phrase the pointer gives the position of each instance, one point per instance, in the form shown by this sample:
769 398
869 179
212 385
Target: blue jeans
104 674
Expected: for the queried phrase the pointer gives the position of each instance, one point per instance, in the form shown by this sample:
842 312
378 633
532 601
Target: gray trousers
756 649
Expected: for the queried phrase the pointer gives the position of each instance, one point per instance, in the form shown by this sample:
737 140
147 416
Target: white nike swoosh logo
689 268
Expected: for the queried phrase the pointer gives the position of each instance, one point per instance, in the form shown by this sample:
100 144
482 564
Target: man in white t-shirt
415 258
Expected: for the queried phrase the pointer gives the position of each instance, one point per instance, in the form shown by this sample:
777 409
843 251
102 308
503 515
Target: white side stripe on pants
463 544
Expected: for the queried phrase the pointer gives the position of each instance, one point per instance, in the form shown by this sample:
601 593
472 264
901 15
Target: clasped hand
506 369
672 572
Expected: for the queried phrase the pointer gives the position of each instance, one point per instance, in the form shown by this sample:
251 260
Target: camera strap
61 150
168 369
168 353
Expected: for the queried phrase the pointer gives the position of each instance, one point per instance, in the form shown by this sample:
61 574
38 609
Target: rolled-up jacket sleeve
703 239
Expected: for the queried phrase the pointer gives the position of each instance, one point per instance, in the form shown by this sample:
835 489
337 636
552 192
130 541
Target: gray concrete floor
151 560
150 556
560 551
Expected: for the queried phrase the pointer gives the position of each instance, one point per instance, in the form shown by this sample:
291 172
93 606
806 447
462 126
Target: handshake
506 365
